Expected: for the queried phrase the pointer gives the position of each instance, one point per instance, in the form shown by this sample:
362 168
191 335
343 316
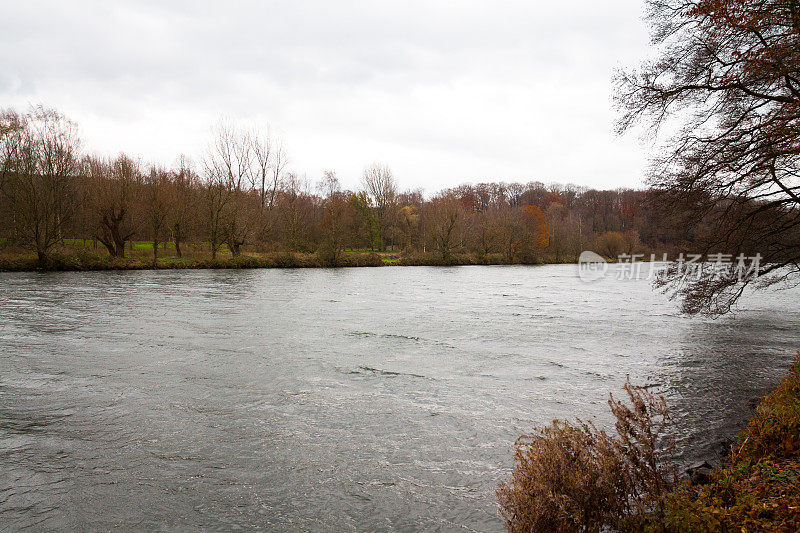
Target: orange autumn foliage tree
535 224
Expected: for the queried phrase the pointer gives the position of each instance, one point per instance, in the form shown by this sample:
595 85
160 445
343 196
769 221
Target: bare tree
114 188
294 211
279 162
262 164
509 231
228 165
213 198
728 75
380 186
38 166
183 202
333 219
157 205
409 219
444 218
329 184
483 235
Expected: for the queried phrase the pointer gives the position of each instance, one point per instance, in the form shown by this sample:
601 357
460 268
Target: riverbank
757 488
142 259
80 262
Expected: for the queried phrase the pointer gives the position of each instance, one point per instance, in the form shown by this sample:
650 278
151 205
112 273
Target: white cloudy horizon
444 93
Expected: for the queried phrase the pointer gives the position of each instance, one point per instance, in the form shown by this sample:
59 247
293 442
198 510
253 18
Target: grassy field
388 258
134 245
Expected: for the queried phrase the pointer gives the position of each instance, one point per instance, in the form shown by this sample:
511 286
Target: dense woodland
240 199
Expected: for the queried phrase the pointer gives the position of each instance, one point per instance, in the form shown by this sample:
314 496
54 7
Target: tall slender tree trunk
155 251
42 258
234 247
214 246
177 238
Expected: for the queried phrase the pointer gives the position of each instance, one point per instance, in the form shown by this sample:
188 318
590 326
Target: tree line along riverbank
239 195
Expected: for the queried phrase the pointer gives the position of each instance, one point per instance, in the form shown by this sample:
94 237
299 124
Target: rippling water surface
350 399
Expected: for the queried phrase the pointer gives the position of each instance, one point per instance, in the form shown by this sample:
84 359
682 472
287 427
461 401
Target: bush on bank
758 487
577 478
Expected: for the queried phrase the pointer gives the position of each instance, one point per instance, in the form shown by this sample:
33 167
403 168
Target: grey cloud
389 72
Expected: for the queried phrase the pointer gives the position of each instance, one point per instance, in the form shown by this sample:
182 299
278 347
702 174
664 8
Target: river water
352 399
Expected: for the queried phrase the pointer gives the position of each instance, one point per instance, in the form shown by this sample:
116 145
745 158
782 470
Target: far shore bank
27 262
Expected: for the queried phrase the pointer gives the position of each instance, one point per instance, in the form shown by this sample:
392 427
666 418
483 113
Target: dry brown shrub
578 478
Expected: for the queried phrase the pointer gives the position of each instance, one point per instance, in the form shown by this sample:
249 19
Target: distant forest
239 199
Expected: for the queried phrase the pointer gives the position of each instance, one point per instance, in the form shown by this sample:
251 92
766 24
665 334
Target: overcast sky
443 92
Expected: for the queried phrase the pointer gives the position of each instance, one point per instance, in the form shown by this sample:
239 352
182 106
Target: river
376 399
